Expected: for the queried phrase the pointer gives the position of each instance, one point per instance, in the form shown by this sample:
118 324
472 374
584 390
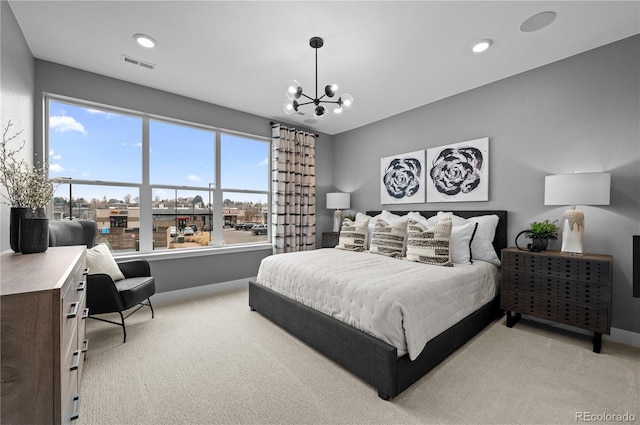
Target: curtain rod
272 123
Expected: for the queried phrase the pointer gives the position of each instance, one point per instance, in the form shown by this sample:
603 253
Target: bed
379 362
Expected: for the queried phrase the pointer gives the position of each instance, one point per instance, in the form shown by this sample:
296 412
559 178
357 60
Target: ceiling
391 56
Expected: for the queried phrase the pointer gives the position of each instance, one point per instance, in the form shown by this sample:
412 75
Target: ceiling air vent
138 62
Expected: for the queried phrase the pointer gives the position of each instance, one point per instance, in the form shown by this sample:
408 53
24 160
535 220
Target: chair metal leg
124 329
122 317
150 306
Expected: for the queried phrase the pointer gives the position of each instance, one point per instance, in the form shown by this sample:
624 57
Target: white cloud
193 178
264 162
63 124
57 157
56 168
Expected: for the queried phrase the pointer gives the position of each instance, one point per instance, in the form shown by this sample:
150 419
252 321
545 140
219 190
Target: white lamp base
337 220
572 231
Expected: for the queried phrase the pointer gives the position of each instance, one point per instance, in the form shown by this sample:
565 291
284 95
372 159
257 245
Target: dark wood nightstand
330 239
552 285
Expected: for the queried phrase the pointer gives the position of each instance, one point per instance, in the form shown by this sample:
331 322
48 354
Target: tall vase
16 214
34 235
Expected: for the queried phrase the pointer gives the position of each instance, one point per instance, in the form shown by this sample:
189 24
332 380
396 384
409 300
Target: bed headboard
500 239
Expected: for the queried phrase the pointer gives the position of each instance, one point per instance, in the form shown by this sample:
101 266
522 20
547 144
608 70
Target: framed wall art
402 178
458 172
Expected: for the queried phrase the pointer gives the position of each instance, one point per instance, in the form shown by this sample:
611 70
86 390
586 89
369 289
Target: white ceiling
391 56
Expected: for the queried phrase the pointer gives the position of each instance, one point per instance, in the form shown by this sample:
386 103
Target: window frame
145 188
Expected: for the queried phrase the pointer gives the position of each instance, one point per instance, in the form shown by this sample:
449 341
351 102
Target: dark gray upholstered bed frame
375 361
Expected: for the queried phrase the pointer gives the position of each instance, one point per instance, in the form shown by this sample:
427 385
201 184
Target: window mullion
218 220
146 205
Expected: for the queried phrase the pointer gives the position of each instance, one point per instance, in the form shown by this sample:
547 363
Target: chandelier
294 92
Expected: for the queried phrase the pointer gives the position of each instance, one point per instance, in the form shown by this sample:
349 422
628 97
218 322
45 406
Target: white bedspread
403 303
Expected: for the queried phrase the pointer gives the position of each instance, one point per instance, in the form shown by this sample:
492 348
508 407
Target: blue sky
89 144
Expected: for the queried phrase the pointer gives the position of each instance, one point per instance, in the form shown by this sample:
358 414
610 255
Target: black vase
34 235
16 214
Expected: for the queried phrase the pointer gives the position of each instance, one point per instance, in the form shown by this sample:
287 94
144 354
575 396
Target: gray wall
197 270
17 76
578 114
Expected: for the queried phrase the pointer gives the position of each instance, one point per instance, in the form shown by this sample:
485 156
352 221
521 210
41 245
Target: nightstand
552 285
330 239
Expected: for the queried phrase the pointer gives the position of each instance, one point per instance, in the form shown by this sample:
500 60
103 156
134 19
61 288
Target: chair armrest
102 294
135 268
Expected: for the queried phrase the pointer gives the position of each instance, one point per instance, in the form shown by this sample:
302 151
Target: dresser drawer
581 293
590 318
560 266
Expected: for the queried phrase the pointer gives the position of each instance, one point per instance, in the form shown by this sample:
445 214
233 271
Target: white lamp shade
338 201
577 189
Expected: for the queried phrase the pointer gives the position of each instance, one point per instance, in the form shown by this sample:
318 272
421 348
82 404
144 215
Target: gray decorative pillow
389 239
429 245
100 260
353 235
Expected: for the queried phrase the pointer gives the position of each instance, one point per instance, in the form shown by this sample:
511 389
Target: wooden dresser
570 289
43 335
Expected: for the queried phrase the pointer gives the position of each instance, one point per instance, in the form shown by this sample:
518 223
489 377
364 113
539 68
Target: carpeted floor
207 359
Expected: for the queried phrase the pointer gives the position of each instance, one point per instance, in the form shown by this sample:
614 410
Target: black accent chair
103 294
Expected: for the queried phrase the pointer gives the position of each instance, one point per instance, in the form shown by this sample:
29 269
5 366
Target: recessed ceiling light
538 21
481 46
145 40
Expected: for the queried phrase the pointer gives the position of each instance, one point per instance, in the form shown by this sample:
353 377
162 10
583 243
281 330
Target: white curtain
294 189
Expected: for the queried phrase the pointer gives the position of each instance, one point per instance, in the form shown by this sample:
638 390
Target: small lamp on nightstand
576 189
338 201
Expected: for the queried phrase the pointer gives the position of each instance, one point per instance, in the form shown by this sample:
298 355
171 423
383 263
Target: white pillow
372 224
100 260
461 241
353 235
461 234
429 245
389 238
482 243
390 217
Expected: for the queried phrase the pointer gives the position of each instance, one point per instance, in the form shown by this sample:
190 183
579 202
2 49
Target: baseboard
624 337
617 335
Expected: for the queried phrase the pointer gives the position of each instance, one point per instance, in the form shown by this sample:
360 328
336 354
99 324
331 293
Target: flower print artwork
403 178
459 172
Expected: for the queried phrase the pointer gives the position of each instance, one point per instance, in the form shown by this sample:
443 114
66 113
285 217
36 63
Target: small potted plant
540 232
28 191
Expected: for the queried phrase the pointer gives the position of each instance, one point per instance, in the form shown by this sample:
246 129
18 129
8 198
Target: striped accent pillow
389 239
353 235
429 245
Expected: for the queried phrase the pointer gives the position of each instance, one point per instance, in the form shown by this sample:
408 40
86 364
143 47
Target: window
156 184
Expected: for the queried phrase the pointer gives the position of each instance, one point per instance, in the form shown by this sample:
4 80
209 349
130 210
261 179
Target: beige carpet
207 359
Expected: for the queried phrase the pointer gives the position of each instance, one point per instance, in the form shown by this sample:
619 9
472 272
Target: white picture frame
402 178
458 172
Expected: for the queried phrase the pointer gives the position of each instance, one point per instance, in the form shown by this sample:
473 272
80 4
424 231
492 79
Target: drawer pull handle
86 271
82 285
85 345
74 310
76 413
85 313
76 354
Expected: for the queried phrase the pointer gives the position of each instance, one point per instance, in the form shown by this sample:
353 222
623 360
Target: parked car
194 227
248 226
259 229
188 231
239 226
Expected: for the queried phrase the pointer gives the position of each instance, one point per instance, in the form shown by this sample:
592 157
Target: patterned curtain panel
294 189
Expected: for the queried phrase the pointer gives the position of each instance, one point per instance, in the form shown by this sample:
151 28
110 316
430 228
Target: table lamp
338 201
576 189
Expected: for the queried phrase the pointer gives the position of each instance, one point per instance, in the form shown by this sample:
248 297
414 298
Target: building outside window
152 183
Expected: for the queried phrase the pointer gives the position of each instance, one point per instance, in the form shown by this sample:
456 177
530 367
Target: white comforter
403 303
